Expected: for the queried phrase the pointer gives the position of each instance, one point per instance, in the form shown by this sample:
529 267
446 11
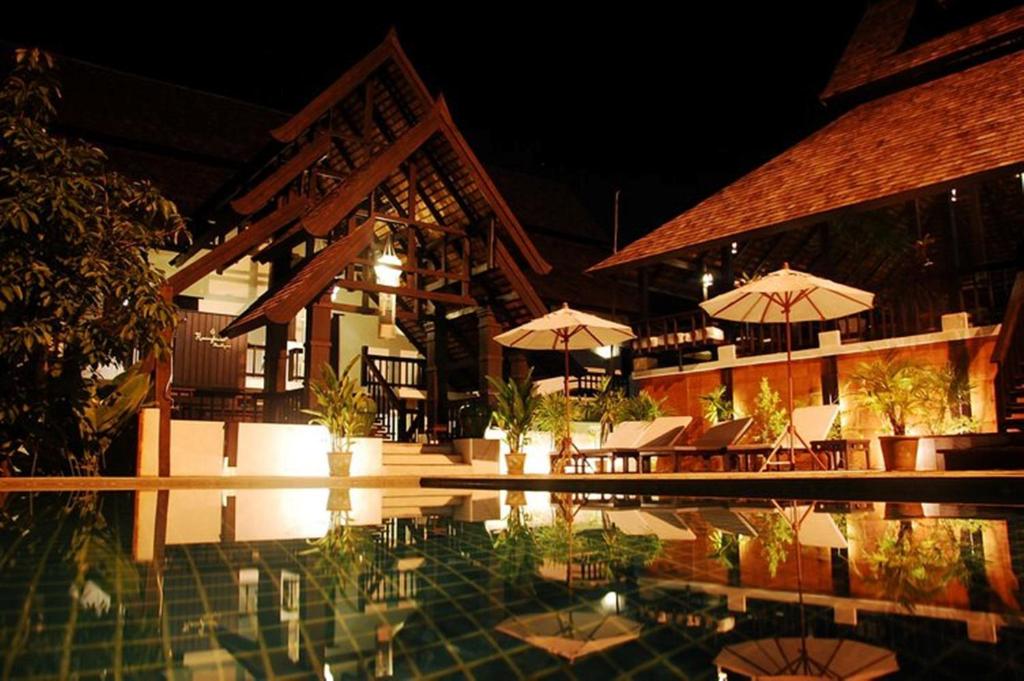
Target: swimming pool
448 583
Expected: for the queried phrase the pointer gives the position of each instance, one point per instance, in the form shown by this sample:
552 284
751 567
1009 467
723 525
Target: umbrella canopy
572 634
825 658
582 331
809 299
565 329
788 296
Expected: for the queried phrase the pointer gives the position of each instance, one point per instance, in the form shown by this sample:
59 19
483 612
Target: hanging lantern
388 271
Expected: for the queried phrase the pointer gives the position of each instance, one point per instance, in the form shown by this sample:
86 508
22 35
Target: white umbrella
810 658
788 296
572 634
565 329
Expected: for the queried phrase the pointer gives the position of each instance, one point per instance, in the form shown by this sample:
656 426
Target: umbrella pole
789 381
566 446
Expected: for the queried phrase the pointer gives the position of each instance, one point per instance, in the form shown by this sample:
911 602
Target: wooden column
490 350
275 354
437 371
318 341
162 374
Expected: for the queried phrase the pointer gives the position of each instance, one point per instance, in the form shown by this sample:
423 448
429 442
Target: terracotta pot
903 511
339 463
899 452
515 463
516 497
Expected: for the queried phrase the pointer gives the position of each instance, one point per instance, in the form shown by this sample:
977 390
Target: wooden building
913 191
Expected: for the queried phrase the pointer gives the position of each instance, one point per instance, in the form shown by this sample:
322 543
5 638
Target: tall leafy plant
769 419
77 291
515 409
344 407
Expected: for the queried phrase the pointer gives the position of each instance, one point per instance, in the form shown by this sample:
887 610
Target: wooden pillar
163 372
275 353
490 350
318 341
437 371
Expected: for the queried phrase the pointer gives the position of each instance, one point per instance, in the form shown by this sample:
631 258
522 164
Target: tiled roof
874 52
926 136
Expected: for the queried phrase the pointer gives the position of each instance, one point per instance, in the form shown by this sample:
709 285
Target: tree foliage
77 291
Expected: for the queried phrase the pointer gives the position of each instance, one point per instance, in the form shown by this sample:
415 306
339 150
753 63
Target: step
420 469
422 459
416 448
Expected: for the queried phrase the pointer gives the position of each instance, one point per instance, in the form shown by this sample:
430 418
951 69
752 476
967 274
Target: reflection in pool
451 584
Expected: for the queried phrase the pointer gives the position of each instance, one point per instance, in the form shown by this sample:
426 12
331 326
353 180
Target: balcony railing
983 294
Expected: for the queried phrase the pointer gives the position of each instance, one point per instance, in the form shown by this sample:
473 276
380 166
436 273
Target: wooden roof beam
230 251
270 186
344 198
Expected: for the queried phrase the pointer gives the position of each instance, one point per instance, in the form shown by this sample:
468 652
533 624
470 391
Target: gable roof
877 50
925 137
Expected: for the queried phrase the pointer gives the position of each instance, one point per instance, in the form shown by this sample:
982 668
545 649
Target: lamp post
388 271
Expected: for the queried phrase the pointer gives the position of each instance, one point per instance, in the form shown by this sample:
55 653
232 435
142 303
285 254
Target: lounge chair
810 424
713 442
624 437
664 431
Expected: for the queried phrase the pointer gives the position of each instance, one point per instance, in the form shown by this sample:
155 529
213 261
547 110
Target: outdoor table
838 452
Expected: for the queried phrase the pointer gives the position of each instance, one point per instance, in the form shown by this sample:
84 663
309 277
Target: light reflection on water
452 584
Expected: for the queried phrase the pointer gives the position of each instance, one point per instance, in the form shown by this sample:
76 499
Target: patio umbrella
573 633
788 296
565 329
810 658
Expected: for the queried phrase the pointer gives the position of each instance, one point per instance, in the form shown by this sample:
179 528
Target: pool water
452 584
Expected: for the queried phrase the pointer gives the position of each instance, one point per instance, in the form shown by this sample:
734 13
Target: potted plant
515 408
769 418
345 410
897 390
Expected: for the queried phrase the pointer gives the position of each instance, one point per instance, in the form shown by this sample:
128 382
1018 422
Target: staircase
408 458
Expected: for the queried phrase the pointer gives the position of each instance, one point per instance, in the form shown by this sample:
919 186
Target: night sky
667 102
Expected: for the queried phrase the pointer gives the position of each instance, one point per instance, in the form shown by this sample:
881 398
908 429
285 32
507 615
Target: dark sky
666 101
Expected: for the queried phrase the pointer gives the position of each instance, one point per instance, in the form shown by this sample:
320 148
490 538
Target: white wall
264 449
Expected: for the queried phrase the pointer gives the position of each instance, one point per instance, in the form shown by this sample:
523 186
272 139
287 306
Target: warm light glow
388 271
707 280
607 351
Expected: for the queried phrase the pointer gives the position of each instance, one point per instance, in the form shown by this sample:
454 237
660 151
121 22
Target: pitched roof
928 136
878 50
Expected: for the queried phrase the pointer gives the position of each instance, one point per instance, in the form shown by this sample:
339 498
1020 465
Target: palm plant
717 408
515 410
345 409
895 388
642 407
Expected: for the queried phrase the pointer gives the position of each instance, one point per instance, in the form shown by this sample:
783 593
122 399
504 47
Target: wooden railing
383 376
398 372
983 294
1008 356
206 404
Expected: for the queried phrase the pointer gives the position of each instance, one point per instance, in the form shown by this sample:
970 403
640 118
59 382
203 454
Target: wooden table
838 453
